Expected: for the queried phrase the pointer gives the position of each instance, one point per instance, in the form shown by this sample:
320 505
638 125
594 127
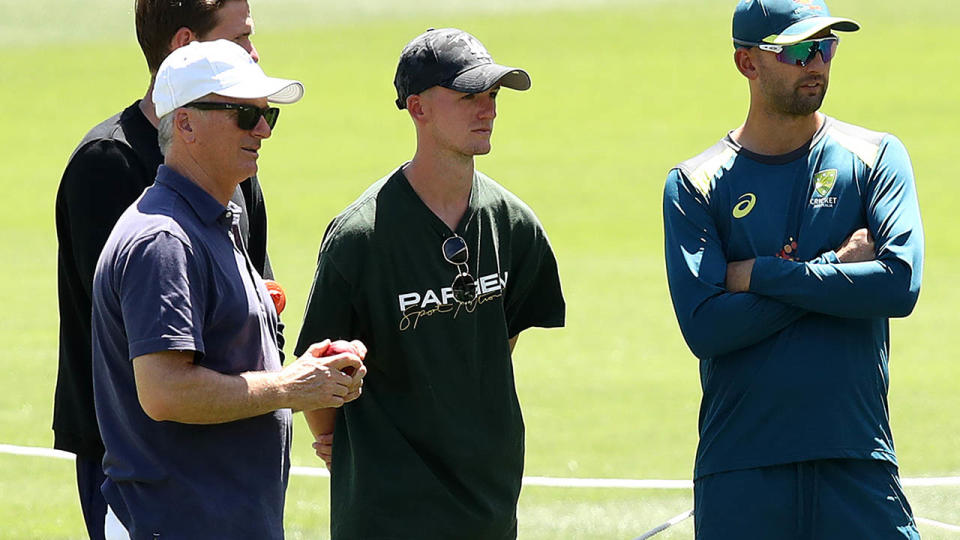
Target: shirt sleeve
712 320
97 186
161 296
534 296
885 287
329 313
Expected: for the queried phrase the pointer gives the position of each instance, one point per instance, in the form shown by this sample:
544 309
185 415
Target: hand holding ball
339 347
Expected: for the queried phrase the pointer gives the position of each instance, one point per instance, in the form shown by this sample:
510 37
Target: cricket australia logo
823 183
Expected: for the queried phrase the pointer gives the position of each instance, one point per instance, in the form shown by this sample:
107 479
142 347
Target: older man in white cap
192 402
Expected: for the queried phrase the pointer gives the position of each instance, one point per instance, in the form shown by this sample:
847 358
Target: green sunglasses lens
801 54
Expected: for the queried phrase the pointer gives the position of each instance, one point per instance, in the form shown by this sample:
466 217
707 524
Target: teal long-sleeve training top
797 368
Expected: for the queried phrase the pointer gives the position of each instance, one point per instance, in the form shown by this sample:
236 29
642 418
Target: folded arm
888 285
713 320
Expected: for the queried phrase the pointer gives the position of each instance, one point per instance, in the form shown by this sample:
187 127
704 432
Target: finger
339 377
318 349
344 360
323 450
340 389
360 347
357 377
324 438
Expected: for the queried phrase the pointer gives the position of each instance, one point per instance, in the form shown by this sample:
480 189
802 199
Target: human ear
745 64
183 36
183 125
415 107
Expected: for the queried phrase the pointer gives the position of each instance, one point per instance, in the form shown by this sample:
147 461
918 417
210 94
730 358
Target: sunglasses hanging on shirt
464 286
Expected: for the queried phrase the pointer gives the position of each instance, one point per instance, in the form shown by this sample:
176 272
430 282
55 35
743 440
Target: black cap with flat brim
453 59
485 76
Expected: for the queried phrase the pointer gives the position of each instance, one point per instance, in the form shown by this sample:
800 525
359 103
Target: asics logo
744 205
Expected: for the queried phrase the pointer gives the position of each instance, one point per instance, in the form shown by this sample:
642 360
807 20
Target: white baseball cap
216 67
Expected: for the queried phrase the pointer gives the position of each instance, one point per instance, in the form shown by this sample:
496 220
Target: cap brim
275 90
486 76
804 29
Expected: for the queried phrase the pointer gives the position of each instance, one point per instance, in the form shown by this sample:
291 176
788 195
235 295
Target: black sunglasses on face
464 286
248 116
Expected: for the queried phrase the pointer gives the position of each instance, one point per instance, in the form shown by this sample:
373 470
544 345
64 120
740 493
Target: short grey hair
165 131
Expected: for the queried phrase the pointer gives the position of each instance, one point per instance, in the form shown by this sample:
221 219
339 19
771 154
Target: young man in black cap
110 167
789 245
437 269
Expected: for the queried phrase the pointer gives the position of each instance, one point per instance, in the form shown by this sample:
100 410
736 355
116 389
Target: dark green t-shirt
434 446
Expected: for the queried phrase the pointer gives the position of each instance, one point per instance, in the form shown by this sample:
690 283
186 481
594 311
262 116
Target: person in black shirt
436 269
107 171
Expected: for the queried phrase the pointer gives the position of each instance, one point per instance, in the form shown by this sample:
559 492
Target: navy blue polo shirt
172 277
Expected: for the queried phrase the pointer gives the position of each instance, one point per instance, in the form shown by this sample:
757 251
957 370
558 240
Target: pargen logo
415 306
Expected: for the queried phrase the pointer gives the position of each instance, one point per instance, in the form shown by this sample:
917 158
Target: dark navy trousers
89 478
830 499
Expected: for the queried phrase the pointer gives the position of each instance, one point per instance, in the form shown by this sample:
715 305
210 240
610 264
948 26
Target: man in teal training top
789 244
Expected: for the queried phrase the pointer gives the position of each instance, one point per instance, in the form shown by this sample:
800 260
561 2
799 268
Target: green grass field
622 91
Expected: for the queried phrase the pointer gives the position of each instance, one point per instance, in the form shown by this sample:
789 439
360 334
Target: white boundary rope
539 481
937 524
689 513
545 481
33 451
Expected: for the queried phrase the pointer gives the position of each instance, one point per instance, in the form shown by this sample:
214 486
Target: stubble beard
794 102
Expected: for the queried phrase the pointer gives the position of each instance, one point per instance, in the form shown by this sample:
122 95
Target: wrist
268 389
830 257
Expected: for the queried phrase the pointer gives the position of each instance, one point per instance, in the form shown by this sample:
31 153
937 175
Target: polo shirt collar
203 204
